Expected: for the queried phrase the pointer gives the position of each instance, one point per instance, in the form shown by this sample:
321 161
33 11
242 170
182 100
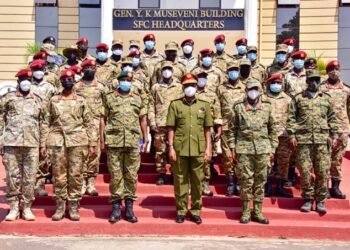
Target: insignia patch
201 110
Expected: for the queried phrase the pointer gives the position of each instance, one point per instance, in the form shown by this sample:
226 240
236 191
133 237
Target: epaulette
264 99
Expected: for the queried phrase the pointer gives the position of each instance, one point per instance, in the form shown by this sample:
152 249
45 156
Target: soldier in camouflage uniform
245 71
126 124
52 70
93 92
241 46
258 71
83 46
221 58
295 79
139 69
280 102
21 112
134 45
312 128
252 138
281 64
340 97
162 93
69 136
150 56
290 42
72 54
117 52
215 110
230 92
187 58
106 72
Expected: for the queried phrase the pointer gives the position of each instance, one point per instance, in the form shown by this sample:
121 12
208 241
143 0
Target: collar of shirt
256 106
184 100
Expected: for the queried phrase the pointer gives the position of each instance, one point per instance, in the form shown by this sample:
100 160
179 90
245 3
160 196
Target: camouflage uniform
238 57
275 68
161 96
179 69
150 61
258 71
222 60
214 76
106 73
52 75
294 83
190 63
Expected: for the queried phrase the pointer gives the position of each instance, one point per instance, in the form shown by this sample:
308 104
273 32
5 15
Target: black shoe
244 220
162 179
129 212
335 192
307 206
180 218
196 219
230 191
116 214
280 191
261 221
321 208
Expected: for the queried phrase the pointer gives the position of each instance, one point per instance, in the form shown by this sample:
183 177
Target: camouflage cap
251 83
127 60
282 48
166 64
172 45
313 73
245 61
124 74
252 48
135 43
233 64
117 42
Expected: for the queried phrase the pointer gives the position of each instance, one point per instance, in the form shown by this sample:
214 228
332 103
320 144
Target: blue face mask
207 61
135 61
298 63
275 87
233 74
124 86
220 46
102 56
251 56
149 45
242 49
281 57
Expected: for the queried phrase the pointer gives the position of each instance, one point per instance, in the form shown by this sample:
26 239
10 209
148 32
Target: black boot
116 214
292 176
280 191
230 186
268 187
162 179
335 191
129 211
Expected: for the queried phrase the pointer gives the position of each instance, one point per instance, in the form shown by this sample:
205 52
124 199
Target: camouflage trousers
43 171
188 171
337 158
228 164
67 171
21 165
316 156
283 154
160 145
253 175
92 164
123 165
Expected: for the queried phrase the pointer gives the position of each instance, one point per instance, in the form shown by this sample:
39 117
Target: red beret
76 69
37 64
67 73
219 38
289 41
88 62
82 40
206 52
187 41
149 37
299 55
275 77
24 73
242 41
188 78
102 46
40 55
332 64
134 53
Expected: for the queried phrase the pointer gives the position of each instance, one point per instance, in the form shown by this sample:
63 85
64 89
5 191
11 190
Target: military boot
268 187
280 191
162 179
74 210
257 214
60 210
321 208
230 186
307 206
27 213
206 189
83 186
14 212
245 212
90 188
335 191
129 211
116 214
40 191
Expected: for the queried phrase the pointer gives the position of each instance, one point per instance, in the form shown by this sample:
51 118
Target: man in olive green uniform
221 58
215 110
106 72
312 126
281 64
162 93
21 113
340 97
150 56
280 102
241 46
258 71
231 91
126 124
252 138
187 58
69 136
295 79
189 122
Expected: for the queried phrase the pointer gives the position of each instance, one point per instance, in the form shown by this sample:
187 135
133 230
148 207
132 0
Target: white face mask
202 82
253 94
128 68
77 77
190 91
50 46
25 85
290 49
38 74
167 73
117 52
187 49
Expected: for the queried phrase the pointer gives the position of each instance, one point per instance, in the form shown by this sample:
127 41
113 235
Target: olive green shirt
189 121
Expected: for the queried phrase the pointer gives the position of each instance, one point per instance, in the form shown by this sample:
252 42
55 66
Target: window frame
140 7
202 7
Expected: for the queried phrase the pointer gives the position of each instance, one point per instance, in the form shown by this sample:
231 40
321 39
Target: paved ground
168 243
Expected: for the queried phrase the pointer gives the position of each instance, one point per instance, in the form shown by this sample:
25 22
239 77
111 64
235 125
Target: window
46 19
90 22
149 3
287 23
343 40
209 3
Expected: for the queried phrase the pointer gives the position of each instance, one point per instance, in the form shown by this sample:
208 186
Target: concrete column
251 21
107 21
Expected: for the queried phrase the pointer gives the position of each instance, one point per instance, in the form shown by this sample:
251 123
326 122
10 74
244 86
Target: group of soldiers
267 121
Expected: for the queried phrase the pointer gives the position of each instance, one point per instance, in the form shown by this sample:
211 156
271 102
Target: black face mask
244 71
67 83
72 57
89 74
83 48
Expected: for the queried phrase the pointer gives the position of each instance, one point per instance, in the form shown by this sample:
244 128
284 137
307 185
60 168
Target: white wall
125 4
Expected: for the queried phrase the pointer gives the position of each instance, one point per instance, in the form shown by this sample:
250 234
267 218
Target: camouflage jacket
190 63
212 99
258 71
215 76
20 119
43 89
106 73
294 83
222 60
179 69
275 68
150 61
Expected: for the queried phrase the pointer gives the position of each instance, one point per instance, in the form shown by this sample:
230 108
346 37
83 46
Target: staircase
155 209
